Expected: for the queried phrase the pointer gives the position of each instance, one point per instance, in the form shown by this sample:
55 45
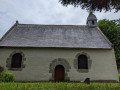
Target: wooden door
59 73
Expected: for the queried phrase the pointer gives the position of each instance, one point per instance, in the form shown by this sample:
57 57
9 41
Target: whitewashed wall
38 61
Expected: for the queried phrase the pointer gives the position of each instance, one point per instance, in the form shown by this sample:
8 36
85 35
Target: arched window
82 62
16 60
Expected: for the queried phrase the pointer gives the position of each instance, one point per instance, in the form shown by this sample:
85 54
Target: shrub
7 77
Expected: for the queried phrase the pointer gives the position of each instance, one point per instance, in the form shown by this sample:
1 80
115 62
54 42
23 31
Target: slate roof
59 36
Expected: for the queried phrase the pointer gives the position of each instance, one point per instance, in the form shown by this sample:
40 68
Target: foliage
95 5
59 86
117 21
1 69
112 32
7 77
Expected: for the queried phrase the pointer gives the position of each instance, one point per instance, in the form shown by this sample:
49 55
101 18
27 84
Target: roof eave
54 47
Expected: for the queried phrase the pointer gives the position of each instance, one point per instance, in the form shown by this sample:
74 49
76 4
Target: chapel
36 52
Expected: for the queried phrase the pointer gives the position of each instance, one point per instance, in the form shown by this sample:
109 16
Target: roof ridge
52 24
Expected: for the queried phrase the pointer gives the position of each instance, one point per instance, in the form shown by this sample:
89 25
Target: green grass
59 86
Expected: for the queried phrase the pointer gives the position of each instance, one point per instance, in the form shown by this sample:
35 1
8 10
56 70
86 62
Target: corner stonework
9 60
62 62
76 63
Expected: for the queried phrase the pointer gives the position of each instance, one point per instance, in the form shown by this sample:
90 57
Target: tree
94 5
112 32
117 21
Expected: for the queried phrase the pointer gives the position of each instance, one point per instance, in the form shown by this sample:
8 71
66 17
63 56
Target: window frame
9 61
76 63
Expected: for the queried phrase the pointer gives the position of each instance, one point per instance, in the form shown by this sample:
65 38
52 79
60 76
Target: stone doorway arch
64 63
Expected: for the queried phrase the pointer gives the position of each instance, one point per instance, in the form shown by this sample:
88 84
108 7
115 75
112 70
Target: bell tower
91 20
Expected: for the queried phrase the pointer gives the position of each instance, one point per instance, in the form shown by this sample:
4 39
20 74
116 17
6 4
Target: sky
44 12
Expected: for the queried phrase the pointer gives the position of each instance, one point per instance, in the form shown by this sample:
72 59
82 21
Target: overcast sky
44 12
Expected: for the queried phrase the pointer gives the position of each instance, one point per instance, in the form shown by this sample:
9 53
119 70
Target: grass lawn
59 86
